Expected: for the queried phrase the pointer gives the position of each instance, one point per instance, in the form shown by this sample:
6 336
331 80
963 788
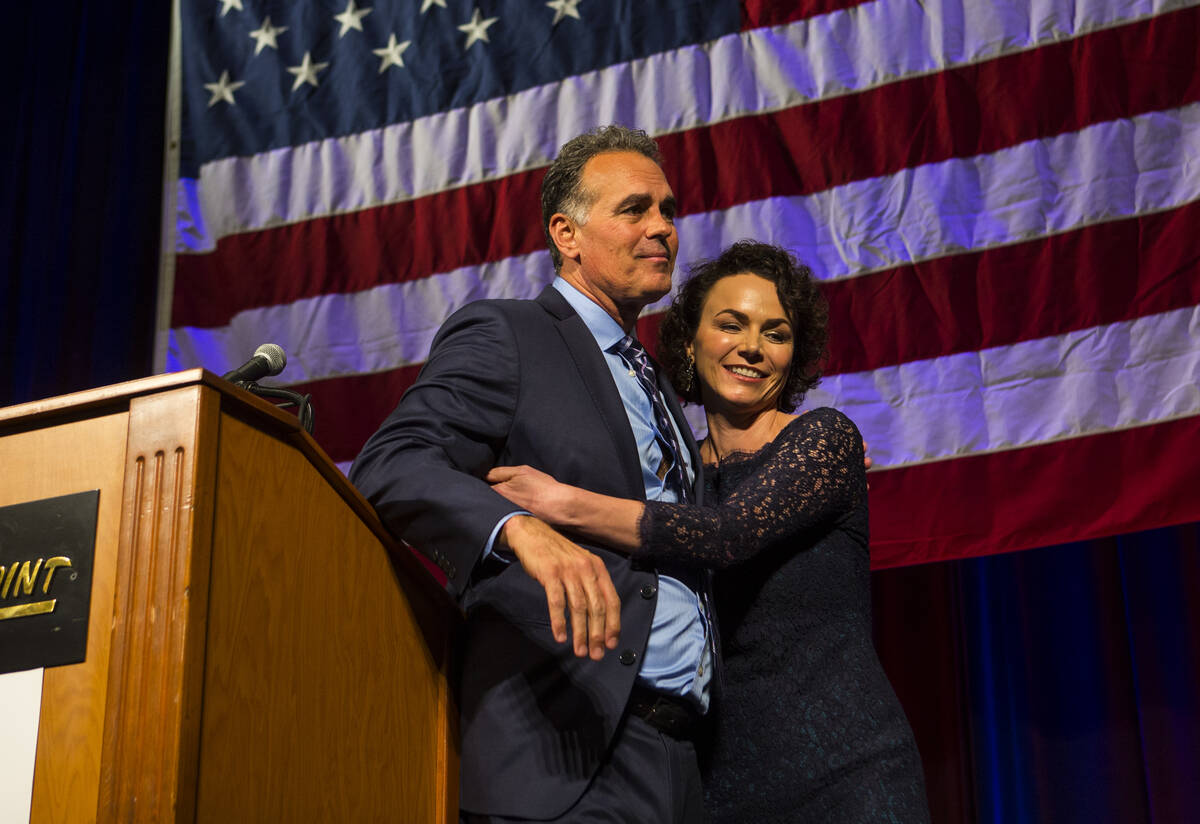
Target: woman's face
743 345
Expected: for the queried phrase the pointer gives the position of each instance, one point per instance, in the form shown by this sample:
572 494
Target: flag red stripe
390 244
1115 482
962 112
993 298
1003 296
348 410
759 13
1097 275
1086 488
971 110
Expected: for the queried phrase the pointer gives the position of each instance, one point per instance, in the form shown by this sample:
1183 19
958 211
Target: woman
807 728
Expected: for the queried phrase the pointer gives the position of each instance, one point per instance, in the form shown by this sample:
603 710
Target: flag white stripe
1115 170
358 333
758 71
1088 382
1108 171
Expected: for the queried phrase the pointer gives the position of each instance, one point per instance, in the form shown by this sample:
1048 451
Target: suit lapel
589 360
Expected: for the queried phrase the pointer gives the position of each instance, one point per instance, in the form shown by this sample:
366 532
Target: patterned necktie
699 580
676 478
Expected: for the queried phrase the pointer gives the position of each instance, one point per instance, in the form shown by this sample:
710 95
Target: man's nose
658 226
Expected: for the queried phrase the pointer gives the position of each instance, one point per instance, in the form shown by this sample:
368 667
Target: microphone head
275 356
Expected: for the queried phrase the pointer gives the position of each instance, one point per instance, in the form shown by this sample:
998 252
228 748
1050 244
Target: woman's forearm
604 519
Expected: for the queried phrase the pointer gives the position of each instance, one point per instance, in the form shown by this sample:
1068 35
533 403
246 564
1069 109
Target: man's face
626 249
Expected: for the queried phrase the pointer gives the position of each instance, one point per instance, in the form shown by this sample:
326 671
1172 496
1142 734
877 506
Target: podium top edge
113 394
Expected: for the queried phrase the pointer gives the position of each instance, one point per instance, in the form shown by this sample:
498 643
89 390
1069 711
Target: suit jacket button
649 591
451 569
627 657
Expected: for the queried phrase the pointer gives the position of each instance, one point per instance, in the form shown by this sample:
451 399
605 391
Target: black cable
303 403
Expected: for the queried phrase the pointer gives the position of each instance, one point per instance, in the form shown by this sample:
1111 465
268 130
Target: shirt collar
603 327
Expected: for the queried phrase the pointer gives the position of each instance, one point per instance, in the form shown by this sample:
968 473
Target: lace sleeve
812 473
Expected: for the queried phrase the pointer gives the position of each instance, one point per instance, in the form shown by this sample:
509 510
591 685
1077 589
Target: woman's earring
689 374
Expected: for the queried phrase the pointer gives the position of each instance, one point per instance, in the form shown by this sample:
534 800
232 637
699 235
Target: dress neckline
738 457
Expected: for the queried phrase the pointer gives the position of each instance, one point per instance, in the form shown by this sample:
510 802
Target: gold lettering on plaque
24 574
12 571
51 565
21 610
25 579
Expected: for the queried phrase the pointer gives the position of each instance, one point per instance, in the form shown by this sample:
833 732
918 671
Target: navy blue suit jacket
516 382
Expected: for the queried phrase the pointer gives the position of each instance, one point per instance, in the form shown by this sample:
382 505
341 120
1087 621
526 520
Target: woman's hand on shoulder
534 491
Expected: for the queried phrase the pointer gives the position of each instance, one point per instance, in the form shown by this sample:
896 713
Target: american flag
1000 199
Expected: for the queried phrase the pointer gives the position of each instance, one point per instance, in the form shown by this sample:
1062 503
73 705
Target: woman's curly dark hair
806 308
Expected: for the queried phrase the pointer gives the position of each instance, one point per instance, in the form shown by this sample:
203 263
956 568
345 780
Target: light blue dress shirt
678 657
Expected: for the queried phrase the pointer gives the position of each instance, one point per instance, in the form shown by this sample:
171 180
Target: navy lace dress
807 727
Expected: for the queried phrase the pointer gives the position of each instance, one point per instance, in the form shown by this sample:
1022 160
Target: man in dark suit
553 728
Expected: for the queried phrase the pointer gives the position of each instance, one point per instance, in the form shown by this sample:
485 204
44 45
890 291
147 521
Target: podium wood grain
73 696
259 649
158 626
295 588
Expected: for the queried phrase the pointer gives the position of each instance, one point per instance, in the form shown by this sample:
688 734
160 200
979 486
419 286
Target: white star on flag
351 18
425 4
564 8
265 36
223 89
226 5
477 29
306 72
391 53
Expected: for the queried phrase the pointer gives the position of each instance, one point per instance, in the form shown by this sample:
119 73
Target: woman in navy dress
807 727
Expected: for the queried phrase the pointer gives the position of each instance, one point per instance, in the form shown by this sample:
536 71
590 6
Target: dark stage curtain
81 153
1054 685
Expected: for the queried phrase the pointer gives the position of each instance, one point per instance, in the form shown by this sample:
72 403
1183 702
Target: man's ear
565 235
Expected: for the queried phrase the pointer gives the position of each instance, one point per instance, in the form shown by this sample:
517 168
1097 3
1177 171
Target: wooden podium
259 649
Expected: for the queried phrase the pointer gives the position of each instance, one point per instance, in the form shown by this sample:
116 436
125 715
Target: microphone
269 359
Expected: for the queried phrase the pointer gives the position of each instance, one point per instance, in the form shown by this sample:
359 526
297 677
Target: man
553 730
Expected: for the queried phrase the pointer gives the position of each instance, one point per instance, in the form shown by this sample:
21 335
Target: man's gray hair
561 188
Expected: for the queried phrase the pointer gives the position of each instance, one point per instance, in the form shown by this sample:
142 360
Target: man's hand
575 580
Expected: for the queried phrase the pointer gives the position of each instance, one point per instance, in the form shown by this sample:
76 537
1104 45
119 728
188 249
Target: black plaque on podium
47 549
